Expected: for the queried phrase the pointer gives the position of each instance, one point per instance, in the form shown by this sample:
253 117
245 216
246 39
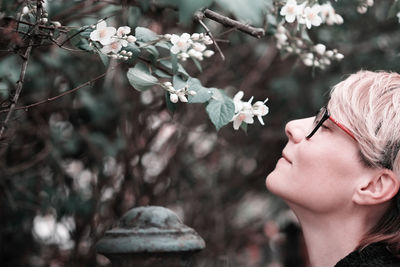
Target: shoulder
373 255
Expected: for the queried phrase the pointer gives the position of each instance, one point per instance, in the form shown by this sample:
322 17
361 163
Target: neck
330 238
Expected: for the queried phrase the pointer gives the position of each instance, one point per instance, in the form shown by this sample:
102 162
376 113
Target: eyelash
325 127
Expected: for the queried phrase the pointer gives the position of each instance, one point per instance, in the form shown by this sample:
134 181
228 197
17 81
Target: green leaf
202 95
244 11
153 51
171 106
188 8
198 65
161 74
140 77
394 9
220 108
145 35
168 65
134 49
105 59
174 62
178 83
78 41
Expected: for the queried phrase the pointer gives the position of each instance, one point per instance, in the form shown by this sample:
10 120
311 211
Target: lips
286 158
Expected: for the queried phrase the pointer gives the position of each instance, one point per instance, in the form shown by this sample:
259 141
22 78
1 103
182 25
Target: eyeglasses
321 117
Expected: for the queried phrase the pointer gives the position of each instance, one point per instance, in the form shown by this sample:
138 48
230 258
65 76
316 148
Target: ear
379 188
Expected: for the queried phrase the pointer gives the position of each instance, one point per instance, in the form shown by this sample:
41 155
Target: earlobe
381 188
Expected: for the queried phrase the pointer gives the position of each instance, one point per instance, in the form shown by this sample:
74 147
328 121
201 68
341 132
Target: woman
340 174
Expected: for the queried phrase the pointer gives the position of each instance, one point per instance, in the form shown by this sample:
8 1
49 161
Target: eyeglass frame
326 115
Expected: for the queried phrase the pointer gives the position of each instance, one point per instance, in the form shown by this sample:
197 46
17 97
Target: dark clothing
374 255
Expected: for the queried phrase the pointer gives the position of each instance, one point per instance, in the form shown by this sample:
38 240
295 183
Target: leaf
171 106
140 77
174 62
202 95
394 9
198 65
168 65
178 83
161 74
188 8
220 108
134 49
105 59
145 35
78 41
244 11
153 51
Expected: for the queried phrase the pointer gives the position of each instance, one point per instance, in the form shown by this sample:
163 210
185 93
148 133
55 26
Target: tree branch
60 95
228 22
25 58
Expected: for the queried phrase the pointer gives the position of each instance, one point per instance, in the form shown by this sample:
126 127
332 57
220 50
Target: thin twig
40 26
20 82
199 16
228 22
62 94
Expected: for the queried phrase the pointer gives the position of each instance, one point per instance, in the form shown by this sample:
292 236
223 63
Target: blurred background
71 167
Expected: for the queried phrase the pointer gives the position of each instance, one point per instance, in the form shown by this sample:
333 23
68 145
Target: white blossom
260 109
244 111
103 34
113 47
244 116
398 16
122 31
290 10
311 17
180 43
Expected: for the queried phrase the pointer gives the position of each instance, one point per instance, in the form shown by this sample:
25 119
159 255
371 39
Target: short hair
368 103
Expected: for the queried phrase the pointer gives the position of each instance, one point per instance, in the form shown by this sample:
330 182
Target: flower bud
362 9
25 10
131 39
329 53
173 98
123 52
44 20
129 53
339 56
182 98
320 49
114 56
195 36
208 53
167 83
308 62
126 58
56 24
167 36
191 92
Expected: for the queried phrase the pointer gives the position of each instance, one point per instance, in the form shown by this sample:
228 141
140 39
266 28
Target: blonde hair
368 103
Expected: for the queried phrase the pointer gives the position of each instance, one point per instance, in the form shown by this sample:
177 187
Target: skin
336 198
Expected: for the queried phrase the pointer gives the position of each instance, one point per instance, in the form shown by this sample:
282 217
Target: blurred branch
62 94
25 58
228 22
40 26
198 17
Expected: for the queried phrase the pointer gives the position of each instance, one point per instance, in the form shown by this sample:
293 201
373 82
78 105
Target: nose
296 130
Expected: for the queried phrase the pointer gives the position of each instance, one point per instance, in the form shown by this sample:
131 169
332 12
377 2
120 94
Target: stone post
150 236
